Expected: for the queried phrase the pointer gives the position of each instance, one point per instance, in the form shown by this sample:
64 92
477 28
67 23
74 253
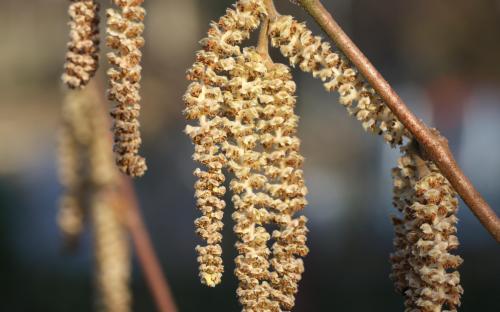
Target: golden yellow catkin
124 30
112 255
251 201
82 57
285 184
205 101
311 54
423 267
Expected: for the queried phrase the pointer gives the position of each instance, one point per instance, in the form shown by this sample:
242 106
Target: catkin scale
124 29
82 57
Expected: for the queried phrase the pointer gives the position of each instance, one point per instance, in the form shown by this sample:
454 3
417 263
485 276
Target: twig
433 144
145 251
132 218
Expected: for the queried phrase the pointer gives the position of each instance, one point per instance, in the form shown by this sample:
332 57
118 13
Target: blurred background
441 56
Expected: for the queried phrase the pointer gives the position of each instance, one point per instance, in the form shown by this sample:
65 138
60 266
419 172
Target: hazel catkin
311 54
82 57
205 102
124 29
423 266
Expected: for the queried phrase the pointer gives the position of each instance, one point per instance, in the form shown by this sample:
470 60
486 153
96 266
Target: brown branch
433 144
132 218
145 251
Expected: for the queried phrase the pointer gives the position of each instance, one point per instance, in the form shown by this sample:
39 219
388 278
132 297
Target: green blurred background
443 57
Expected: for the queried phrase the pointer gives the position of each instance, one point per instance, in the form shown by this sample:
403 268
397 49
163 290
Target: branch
433 144
132 219
145 251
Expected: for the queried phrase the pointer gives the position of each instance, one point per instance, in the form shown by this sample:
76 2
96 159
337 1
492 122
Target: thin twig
145 251
132 218
433 144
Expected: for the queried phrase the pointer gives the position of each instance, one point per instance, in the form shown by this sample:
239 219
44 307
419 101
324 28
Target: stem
433 144
145 251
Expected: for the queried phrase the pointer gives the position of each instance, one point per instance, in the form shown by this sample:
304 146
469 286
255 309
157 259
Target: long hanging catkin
82 57
204 101
311 54
91 182
112 258
284 181
249 184
422 263
124 29
74 138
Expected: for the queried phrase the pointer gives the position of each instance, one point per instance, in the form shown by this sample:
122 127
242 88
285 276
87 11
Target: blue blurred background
441 56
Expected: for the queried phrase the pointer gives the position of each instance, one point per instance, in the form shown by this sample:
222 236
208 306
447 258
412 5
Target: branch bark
433 144
145 251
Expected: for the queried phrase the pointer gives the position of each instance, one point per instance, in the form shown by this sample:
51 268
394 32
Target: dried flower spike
83 47
205 102
124 29
313 55
422 262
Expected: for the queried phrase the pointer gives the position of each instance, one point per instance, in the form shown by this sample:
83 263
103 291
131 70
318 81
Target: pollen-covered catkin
282 163
124 29
112 257
83 47
426 235
248 185
205 102
311 54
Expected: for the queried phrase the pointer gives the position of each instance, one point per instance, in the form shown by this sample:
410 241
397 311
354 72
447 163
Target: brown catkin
423 267
312 55
124 29
82 58
205 100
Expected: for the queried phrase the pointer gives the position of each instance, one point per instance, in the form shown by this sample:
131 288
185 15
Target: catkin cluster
312 55
90 181
125 27
205 102
244 104
83 47
422 265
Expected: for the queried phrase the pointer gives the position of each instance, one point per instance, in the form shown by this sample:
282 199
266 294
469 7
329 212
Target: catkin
75 135
91 184
312 55
124 29
205 101
423 267
112 258
249 184
83 47
284 181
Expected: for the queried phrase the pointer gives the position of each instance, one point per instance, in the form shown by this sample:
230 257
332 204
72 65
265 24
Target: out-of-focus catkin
91 185
205 101
112 257
124 29
312 55
423 267
82 57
